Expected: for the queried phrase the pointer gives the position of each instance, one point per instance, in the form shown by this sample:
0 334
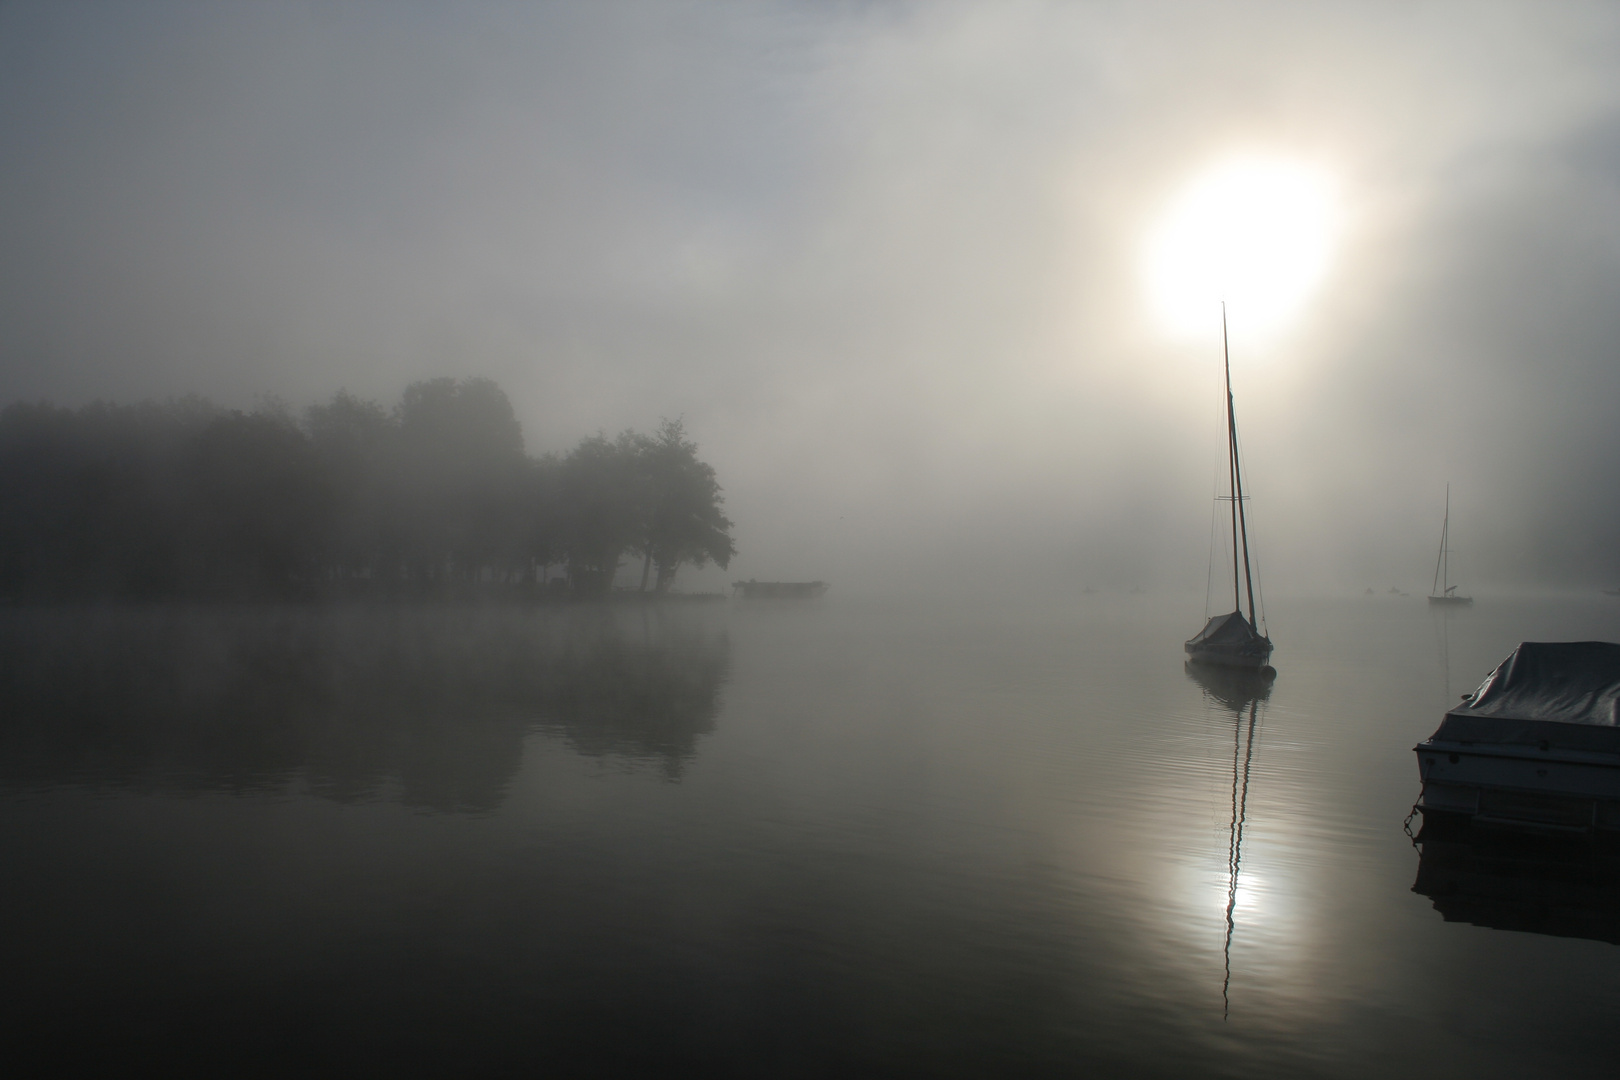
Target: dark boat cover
1566 692
1229 629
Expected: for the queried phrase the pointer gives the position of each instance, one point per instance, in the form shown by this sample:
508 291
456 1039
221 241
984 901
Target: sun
1255 232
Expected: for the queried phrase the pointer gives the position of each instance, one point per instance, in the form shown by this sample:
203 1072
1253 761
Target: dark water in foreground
767 839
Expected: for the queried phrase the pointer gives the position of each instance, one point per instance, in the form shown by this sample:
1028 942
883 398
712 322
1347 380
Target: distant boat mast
1443 591
1240 525
1442 564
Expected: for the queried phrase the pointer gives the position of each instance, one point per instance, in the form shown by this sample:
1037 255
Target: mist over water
357 360
906 838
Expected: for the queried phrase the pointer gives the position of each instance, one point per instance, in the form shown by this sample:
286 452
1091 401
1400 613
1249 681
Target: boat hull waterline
1249 660
1520 789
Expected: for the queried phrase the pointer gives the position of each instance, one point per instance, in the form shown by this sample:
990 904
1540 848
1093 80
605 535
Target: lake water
773 839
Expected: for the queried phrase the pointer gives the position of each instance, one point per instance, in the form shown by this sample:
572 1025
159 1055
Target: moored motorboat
1537 746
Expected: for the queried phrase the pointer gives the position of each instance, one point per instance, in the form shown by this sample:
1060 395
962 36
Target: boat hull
1451 601
1245 657
1519 787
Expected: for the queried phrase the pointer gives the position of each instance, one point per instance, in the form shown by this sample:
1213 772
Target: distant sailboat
1231 639
1443 591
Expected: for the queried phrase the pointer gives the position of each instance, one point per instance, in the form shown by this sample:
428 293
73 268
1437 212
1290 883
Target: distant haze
884 259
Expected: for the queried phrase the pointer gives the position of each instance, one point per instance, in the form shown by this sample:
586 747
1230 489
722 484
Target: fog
884 260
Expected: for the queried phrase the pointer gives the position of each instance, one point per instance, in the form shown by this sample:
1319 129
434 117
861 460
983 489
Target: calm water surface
772 839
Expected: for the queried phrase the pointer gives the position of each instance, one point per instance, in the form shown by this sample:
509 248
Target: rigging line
1444 527
1239 519
1214 518
1250 576
1261 586
1237 473
1449 585
1231 460
1214 515
1243 519
1259 579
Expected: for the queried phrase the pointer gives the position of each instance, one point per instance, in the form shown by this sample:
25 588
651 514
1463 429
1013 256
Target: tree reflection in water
1240 692
427 705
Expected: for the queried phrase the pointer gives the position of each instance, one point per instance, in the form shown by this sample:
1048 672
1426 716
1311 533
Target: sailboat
1443 591
1233 640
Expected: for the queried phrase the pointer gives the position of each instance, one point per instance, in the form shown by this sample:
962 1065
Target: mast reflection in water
1241 692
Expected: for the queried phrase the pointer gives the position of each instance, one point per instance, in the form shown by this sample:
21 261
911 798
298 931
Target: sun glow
1255 232
1246 897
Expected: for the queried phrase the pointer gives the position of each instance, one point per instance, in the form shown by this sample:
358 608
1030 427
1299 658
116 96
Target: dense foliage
436 496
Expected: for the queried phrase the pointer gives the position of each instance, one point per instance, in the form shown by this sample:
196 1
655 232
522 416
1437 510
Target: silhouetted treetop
462 424
683 521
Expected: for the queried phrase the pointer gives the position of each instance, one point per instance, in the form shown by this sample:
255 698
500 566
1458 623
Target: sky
892 263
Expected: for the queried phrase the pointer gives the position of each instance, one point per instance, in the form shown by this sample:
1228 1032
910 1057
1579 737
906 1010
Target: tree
262 502
540 539
91 501
682 521
169 499
603 511
358 443
465 468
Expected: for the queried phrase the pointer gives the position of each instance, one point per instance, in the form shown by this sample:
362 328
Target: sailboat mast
1440 562
1445 545
1237 478
1231 463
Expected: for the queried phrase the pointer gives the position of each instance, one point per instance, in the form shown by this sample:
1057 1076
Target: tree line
435 496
